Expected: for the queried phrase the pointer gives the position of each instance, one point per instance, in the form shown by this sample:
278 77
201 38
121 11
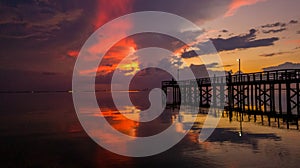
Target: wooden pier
271 94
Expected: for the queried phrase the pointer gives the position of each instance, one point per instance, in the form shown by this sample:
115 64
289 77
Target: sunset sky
41 39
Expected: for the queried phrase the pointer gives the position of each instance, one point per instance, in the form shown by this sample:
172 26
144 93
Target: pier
271 94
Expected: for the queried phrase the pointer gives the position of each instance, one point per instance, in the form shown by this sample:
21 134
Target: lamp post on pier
239 60
239 98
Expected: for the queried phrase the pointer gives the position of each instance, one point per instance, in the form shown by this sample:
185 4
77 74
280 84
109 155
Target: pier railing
272 93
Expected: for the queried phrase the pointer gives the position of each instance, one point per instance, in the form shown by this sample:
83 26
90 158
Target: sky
41 39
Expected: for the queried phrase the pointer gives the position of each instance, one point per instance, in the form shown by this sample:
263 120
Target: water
42 130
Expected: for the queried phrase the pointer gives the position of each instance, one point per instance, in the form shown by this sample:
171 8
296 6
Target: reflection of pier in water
271 94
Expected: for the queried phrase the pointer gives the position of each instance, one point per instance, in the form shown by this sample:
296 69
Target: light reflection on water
43 130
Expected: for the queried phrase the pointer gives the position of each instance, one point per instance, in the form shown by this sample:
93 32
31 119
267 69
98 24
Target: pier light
239 60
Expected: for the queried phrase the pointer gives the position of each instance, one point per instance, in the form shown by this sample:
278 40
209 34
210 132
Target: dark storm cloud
274 30
193 10
286 65
242 41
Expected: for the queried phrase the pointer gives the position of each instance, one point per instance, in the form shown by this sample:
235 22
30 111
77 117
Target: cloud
276 27
293 22
34 19
286 65
273 54
216 65
189 54
212 65
200 10
37 35
277 24
298 32
203 71
113 57
224 31
73 53
242 41
236 4
228 65
274 30
202 48
235 42
149 78
63 26
112 9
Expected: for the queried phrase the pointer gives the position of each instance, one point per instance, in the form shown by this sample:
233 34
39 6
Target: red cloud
109 9
73 53
236 4
113 57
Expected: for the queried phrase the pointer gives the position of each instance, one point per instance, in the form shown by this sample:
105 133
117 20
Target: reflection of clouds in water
183 120
115 118
225 134
45 130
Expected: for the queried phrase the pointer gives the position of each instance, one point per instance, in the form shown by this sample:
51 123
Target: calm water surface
42 130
